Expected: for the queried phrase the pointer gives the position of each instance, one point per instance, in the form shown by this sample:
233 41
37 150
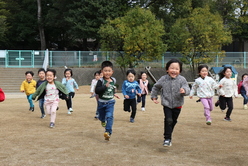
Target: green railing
35 59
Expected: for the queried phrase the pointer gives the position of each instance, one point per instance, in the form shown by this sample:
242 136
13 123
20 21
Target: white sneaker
143 109
69 113
70 109
245 107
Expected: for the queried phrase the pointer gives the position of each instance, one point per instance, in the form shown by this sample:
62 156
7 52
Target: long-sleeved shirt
130 89
170 90
204 88
28 87
70 84
229 87
93 85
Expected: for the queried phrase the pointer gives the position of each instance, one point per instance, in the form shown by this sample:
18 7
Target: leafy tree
235 15
87 16
3 24
199 37
136 36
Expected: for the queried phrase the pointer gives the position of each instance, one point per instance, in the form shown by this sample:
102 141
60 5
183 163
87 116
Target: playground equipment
214 72
150 73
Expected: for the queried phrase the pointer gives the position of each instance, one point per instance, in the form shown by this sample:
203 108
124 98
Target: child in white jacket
204 86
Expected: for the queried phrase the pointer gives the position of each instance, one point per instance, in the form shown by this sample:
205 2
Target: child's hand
22 90
182 90
155 101
77 89
126 96
117 96
191 97
139 94
220 86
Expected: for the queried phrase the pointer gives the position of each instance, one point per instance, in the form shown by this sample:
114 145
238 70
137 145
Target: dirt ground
77 139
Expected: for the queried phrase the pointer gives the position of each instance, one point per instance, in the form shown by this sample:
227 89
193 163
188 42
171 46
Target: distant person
173 88
29 86
130 88
42 79
204 87
97 76
227 91
51 91
70 84
242 91
105 88
145 89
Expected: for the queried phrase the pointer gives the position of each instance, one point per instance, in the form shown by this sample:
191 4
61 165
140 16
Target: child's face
174 70
67 74
144 76
130 77
42 75
204 72
50 77
29 77
228 73
245 76
97 76
107 72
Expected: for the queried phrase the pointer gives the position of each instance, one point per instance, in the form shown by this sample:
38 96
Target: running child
171 100
130 88
242 91
204 87
145 89
105 88
28 86
70 84
51 91
97 76
228 89
42 78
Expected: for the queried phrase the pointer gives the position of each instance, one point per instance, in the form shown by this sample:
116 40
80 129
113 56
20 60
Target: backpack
2 95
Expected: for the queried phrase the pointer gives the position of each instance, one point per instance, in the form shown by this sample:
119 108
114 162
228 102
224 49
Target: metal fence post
51 58
244 60
163 61
217 61
79 58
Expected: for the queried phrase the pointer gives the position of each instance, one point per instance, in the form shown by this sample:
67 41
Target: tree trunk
41 28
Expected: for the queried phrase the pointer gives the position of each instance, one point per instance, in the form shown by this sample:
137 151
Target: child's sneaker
143 109
245 106
43 116
52 125
208 122
96 117
132 120
107 136
227 119
103 124
199 100
217 103
31 109
167 143
69 112
70 109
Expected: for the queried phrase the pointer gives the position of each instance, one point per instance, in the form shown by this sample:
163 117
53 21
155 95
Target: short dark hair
242 77
106 64
70 70
29 72
173 60
52 70
222 72
142 72
201 67
97 72
41 69
131 71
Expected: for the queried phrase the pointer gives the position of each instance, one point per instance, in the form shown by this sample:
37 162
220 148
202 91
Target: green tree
199 37
87 16
3 24
235 15
137 36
